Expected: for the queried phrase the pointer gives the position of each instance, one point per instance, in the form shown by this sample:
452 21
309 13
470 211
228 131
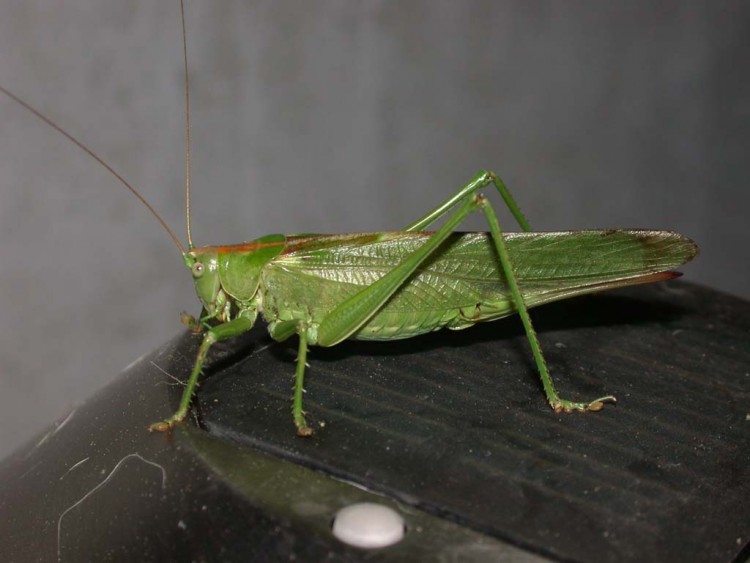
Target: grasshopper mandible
391 285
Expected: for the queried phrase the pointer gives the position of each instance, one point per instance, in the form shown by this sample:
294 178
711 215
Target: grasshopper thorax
227 278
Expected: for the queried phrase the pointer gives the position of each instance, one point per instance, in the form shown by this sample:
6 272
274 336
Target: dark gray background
337 116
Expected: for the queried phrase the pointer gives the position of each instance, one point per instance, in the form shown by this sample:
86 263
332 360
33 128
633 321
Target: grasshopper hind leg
482 180
557 403
353 313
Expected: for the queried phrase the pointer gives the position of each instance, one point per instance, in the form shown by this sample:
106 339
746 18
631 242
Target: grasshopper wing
462 282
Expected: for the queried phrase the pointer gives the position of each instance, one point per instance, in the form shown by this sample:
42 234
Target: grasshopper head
204 266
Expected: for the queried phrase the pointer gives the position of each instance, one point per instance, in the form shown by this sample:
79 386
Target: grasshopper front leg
214 334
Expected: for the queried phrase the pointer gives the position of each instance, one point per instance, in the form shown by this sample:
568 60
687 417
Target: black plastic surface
457 423
452 426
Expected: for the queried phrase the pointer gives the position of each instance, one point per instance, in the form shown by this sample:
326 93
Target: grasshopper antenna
97 158
187 127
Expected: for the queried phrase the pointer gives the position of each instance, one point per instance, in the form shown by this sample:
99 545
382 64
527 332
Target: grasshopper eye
198 269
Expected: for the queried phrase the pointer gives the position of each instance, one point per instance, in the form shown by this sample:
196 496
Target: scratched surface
452 426
98 487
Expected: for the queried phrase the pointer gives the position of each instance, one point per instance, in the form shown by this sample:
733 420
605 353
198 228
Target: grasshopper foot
168 424
162 426
302 428
561 405
304 431
195 325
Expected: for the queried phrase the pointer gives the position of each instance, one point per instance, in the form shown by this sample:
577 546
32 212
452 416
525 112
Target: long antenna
187 127
96 157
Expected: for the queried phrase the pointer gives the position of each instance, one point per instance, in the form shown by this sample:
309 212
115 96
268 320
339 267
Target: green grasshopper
392 285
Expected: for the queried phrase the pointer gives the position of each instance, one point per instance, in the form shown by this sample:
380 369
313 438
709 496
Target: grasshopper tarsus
563 406
162 426
304 431
598 404
195 325
165 425
300 422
